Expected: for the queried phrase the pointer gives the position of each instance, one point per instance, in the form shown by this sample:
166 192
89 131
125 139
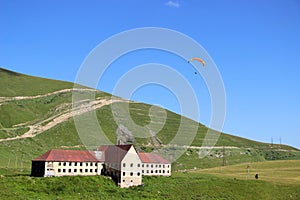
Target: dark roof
114 153
152 158
71 156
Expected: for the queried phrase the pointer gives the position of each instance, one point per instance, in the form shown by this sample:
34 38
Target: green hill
16 84
36 115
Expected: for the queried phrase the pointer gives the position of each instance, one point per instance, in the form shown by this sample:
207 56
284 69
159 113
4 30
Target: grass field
192 185
285 172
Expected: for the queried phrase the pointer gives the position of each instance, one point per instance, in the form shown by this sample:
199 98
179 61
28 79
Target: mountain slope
16 84
36 115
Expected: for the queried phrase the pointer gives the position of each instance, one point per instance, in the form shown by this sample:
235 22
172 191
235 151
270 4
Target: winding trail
40 127
5 99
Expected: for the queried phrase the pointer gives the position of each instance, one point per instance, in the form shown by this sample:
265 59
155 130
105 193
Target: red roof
152 158
71 156
114 153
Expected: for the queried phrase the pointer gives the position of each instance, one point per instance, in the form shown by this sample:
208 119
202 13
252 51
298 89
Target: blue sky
255 44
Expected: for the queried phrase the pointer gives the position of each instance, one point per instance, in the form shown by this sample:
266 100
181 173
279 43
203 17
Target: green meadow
278 180
222 174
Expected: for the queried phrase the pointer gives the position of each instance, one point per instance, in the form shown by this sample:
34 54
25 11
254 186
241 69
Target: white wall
131 169
156 169
72 168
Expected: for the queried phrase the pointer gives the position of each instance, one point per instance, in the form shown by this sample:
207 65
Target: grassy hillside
16 84
191 185
37 113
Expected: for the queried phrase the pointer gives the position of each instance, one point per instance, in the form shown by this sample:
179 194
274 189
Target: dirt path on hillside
5 99
38 128
52 121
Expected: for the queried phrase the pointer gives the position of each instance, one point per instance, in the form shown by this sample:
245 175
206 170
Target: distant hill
35 116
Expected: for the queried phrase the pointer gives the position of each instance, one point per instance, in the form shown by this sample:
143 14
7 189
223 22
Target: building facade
154 165
123 163
67 163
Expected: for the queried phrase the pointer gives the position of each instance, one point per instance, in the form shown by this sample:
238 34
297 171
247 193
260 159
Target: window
163 166
59 170
163 171
156 166
96 170
75 170
168 171
142 171
70 163
75 164
138 173
65 163
147 171
168 166
123 180
124 165
131 173
86 170
160 171
64 170
86 164
147 165
80 163
131 164
156 171
142 165
91 164
123 173
151 171
159 166
151 166
59 164
70 171
138 165
96 164
80 170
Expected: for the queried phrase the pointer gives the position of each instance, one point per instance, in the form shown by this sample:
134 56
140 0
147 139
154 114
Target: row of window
77 170
148 172
77 164
155 171
131 173
147 165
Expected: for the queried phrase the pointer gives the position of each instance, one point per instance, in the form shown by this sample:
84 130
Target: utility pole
271 141
22 161
248 172
224 157
16 162
8 163
279 142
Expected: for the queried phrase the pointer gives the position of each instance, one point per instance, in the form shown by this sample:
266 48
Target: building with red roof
121 162
154 165
68 162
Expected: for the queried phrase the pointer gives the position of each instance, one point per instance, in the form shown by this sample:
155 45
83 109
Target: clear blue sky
255 44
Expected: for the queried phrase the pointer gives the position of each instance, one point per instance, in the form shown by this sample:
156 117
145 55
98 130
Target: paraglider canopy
197 59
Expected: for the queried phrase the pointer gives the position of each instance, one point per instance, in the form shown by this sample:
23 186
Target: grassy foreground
280 171
195 185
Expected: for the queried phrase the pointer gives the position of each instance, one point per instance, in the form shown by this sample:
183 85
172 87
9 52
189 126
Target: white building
68 163
154 165
121 162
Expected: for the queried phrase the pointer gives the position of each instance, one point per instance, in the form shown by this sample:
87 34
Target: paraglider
197 59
